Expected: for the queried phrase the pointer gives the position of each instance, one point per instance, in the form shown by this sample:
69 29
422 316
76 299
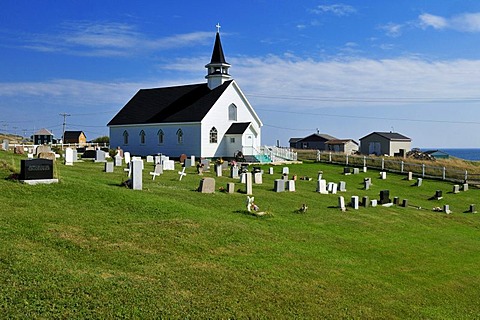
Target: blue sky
343 68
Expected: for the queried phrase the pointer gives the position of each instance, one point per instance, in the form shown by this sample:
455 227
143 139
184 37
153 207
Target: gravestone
366 183
158 170
218 170
330 186
75 155
182 174
279 185
36 169
383 175
89 154
472 209
285 176
346 171
322 186
157 159
285 171
396 201
319 176
207 185
365 201
69 157
248 183
109 166
465 187
384 197
230 187
47 155
19 150
42 148
127 158
99 156
334 188
438 194
446 209
364 169
373 202
183 157
419 182
118 160
206 164
168 164
354 202
137 173
356 170
257 178
270 170
290 185
410 176
150 159
243 177
405 203
456 188
5 145
341 203
342 186
234 172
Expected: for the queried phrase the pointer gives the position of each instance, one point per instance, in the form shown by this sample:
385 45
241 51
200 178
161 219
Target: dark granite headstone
384 197
36 169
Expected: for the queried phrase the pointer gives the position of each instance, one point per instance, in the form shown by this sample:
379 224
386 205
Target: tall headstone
5 144
405 203
75 155
243 177
137 174
69 157
99 156
396 201
355 203
270 170
290 185
322 186
234 172
230 187
218 170
341 203
465 187
334 188
410 176
419 182
365 201
279 185
319 176
248 183
118 161
342 186
366 183
127 158
383 175
384 197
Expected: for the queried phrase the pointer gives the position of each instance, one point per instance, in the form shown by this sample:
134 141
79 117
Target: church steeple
217 69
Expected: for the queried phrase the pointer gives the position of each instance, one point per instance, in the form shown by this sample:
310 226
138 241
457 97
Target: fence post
401 168
423 170
319 156
364 161
330 157
444 173
466 175
346 159
383 164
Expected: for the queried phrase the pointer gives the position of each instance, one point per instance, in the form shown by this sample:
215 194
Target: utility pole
64 115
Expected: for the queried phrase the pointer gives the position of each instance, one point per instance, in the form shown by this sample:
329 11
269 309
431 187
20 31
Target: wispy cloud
338 9
466 22
392 29
108 39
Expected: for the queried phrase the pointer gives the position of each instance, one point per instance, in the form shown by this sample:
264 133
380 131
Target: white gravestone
341 203
248 183
168 165
279 185
355 202
118 160
383 175
257 178
270 170
157 171
285 170
334 188
342 186
109 166
137 170
69 157
322 186
290 185
182 174
150 159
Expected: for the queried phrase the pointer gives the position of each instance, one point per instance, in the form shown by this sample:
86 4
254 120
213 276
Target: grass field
89 248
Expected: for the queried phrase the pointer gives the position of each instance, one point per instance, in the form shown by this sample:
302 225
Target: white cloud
336 9
392 29
466 22
430 20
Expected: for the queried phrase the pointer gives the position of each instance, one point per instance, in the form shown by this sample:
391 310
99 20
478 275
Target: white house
385 143
212 119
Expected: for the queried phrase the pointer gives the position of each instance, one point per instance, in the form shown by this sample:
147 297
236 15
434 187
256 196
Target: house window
179 136
160 136
213 135
125 137
232 112
142 137
232 140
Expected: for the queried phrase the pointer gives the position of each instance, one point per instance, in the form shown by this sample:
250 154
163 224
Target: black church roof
238 128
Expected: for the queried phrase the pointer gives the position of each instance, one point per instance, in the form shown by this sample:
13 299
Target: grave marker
456 188
354 202
207 185
137 170
69 157
410 176
109 167
248 183
270 170
230 187
384 197
383 175
290 185
285 171
182 174
342 186
99 156
322 186
234 172
365 201
157 171
419 182
405 203
279 185
341 203
33 171
257 178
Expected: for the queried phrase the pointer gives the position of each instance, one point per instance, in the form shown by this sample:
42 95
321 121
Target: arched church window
213 135
179 136
142 137
125 137
232 112
161 136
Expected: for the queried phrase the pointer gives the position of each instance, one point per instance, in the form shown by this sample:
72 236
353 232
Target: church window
213 135
142 137
232 140
125 137
232 112
179 136
161 136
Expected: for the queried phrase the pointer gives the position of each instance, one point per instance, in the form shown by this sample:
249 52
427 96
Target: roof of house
340 141
72 134
238 128
390 136
187 103
43 132
317 137
293 140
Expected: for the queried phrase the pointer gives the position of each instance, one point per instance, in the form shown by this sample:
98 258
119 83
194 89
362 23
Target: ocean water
472 154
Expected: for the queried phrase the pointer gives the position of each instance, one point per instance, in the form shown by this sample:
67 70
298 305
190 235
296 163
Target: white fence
399 166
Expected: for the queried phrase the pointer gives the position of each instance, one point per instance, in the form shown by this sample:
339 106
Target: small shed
438 154
77 137
385 143
43 136
346 146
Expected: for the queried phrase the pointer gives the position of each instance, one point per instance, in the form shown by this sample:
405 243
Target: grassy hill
89 248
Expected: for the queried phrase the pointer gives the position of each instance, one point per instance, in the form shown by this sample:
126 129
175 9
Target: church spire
217 69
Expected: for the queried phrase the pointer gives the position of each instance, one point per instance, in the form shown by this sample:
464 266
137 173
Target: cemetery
206 241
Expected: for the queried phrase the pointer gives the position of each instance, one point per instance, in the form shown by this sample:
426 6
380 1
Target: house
313 141
212 119
346 146
77 137
43 136
385 143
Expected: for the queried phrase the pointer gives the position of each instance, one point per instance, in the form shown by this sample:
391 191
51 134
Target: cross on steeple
218 27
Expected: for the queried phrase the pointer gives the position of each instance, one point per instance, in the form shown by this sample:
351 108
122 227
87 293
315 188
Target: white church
208 120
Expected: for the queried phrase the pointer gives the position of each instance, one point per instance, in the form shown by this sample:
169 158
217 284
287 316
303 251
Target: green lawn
89 248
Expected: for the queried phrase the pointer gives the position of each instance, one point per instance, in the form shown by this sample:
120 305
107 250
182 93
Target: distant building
385 143
346 146
43 136
77 137
314 141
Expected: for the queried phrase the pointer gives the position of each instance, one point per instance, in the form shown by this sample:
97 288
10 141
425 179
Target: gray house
346 146
313 141
385 143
